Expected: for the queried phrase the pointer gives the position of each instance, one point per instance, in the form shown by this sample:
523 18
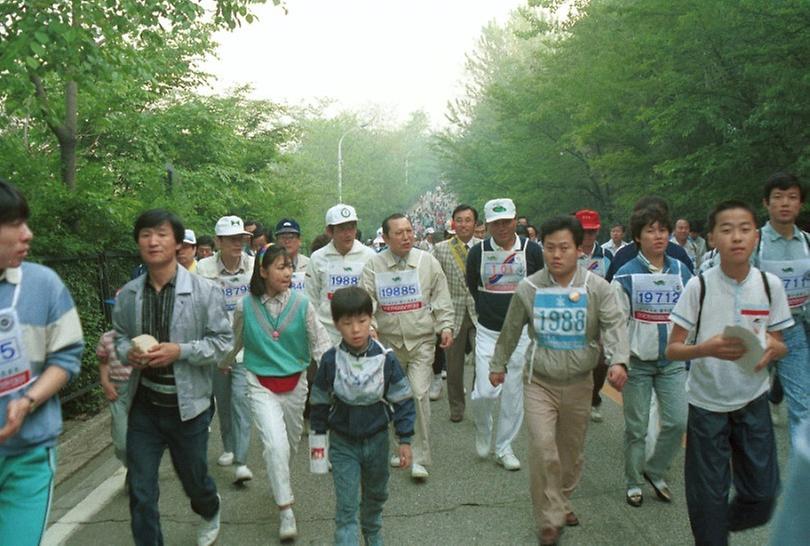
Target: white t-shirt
721 385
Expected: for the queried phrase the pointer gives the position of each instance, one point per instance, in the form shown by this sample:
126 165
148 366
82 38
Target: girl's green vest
286 355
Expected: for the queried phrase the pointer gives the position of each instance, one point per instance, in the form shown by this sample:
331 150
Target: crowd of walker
699 335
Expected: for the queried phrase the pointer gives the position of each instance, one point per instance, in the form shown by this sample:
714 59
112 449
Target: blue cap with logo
287 225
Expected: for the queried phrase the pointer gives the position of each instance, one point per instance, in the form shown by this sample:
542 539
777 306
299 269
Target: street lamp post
340 158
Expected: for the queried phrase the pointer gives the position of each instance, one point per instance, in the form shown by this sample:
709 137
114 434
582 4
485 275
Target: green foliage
614 99
376 162
91 281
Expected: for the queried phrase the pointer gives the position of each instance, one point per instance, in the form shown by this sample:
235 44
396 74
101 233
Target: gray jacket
605 320
200 326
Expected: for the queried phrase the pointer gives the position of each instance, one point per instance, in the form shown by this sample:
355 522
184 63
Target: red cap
588 218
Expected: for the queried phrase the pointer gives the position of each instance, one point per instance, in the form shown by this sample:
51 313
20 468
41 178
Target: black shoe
635 500
661 490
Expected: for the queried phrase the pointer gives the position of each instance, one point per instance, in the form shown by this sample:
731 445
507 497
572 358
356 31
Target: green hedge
91 280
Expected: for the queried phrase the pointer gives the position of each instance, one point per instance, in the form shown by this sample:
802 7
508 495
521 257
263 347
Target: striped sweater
52 336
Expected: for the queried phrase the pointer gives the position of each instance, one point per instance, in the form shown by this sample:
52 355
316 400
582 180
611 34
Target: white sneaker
243 474
508 461
444 374
481 445
596 415
418 472
395 461
435 392
208 531
226 459
287 530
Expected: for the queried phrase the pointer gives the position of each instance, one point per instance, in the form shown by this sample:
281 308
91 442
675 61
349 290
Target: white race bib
795 275
342 274
298 281
597 266
15 368
234 288
502 270
561 317
399 291
654 296
359 381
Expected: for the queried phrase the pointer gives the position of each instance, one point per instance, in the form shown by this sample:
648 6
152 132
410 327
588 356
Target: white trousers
484 396
279 418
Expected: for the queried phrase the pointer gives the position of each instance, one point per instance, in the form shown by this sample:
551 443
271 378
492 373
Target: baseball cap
288 225
588 218
230 225
189 237
340 214
430 231
499 209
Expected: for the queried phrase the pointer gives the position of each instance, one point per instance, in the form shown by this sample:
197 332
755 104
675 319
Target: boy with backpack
729 419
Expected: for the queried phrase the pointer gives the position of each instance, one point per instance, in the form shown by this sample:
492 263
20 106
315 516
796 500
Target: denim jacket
200 326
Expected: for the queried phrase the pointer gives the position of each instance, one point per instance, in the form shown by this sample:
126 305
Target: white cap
499 209
230 225
430 231
340 214
189 237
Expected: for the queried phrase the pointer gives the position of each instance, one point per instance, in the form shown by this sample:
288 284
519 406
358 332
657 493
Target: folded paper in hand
753 347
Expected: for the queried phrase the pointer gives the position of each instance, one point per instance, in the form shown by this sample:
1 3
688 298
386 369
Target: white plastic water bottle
318 454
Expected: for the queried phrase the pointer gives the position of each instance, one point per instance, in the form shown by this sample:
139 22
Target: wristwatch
30 398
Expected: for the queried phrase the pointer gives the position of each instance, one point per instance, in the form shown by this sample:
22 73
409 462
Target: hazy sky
401 55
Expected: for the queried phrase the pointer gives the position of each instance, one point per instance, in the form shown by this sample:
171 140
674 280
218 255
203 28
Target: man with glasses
288 235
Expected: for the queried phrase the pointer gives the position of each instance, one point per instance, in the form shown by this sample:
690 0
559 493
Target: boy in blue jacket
359 388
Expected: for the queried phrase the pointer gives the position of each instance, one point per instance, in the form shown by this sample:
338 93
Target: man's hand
724 348
497 378
110 392
137 359
617 376
405 455
163 354
447 338
16 412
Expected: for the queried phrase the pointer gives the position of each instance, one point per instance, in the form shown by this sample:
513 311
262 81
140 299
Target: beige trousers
418 366
557 419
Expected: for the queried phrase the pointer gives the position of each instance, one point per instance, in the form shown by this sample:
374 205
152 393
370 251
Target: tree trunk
67 137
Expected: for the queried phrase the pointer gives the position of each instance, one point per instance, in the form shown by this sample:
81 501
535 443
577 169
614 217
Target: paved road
466 501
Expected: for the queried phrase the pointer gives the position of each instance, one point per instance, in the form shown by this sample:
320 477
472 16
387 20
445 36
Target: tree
693 100
53 51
